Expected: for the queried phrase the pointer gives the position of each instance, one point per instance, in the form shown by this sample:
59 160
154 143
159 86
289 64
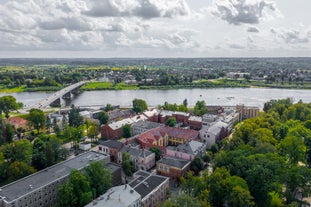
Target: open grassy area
12 90
97 86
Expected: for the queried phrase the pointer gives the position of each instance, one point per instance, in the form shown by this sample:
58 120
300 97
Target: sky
154 28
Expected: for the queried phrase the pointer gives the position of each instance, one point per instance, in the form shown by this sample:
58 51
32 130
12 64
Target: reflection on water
218 96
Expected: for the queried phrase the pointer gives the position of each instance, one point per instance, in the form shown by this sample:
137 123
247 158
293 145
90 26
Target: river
217 96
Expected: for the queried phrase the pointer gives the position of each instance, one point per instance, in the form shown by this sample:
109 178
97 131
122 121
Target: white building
216 131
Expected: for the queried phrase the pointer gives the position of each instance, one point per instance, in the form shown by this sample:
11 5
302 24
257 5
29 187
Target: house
173 168
195 122
187 151
181 117
247 112
141 158
110 147
162 136
117 114
40 189
17 122
118 196
143 126
211 134
152 188
116 173
85 146
152 115
114 130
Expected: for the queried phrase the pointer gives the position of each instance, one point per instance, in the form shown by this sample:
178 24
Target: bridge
55 99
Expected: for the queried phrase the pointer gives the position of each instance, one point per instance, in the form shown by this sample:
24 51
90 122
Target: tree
1 130
93 131
73 134
126 131
39 159
56 127
108 107
171 122
127 164
7 103
74 118
139 105
103 117
37 119
18 170
185 102
182 200
9 132
48 124
66 196
294 148
20 150
75 192
157 152
200 108
99 177
196 165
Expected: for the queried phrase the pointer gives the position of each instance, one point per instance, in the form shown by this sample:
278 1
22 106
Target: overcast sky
155 28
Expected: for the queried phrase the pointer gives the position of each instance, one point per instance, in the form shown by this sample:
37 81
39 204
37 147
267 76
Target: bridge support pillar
56 103
75 91
67 96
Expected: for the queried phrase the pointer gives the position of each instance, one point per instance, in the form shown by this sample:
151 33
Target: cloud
292 36
253 29
239 12
145 9
236 46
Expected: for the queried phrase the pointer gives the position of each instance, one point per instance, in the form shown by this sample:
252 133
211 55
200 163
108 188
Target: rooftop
121 123
136 152
192 147
111 144
44 177
151 112
119 196
145 182
195 118
174 162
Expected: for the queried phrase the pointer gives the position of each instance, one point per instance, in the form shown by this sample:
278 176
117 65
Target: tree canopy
37 118
139 105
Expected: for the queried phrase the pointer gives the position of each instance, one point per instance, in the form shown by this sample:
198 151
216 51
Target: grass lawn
97 86
12 90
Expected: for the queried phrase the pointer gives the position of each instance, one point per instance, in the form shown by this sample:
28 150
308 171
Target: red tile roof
155 134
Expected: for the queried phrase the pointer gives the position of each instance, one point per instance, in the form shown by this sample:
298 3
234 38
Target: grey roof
111 144
192 147
112 167
49 175
174 162
216 127
136 152
119 196
146 182
146 124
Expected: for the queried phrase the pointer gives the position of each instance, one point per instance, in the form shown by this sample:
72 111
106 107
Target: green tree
126 131
185 102
37 119
103 117
139 105
20 150
73 134
157 152
93 131
19 170
196 165
66 196
48 124
9 132
74 118
7 103
99 177
200 108
1 130
56 127
75 192
127 164
294 148
39 159
171 122
182 200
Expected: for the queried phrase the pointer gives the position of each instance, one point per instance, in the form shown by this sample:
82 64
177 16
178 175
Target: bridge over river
55 99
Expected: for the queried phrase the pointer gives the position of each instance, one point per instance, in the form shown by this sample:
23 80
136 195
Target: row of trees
80 189
265 163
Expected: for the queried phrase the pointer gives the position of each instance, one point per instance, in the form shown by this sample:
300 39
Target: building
116 173
118 114
114 130
211 134
247 112
187 151
195 122
40 188
152 115
152 188
141 158
143 126
119 196
17 122
162 136
110 147
173 168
